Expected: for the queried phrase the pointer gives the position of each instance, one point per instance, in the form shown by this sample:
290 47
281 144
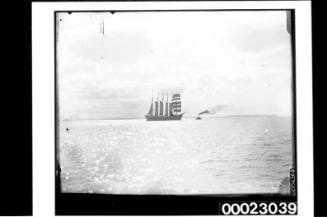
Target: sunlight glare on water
221 155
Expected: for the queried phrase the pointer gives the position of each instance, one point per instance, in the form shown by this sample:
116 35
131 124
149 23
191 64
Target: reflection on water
244 154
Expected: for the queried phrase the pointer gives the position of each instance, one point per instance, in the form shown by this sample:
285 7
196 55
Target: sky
239 61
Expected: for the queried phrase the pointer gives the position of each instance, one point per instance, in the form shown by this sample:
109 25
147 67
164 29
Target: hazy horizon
110 65
184 116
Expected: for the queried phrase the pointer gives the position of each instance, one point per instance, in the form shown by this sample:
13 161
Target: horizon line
210 116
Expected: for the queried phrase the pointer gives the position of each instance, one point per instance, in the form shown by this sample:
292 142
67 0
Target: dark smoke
204 112
213 110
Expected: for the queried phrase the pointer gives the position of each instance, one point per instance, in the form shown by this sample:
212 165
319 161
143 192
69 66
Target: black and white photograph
175 102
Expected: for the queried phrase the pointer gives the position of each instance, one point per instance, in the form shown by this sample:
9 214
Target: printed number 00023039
262 208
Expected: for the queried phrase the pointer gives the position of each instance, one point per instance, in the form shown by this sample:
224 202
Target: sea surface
215 155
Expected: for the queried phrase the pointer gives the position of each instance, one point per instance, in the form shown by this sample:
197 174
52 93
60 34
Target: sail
170 109
166 110
161 108
156 108
176 103
151 109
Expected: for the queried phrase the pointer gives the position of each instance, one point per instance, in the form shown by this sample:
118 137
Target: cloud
261 32
214 58
118 48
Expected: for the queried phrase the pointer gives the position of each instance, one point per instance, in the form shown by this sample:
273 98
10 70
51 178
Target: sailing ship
161 110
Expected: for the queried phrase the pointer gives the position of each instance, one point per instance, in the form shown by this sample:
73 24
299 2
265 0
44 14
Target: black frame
108 204
18 201
16 149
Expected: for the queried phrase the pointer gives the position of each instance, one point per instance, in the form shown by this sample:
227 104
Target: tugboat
168 110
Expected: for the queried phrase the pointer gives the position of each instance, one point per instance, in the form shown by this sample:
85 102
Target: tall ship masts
165 110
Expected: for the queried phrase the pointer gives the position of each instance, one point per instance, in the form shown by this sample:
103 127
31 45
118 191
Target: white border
43 89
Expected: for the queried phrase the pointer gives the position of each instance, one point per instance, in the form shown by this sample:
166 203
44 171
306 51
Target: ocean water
215 155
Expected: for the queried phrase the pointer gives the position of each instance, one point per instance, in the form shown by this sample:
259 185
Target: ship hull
164 118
